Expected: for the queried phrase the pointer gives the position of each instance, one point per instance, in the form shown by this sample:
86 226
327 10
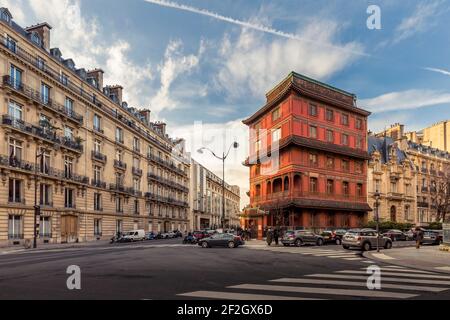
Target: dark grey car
301 237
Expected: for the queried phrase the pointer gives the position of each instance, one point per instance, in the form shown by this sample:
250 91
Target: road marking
443 268
368 262
353 259
327 291
382 256
387 269
383 279
238 296
341 256
359 284
402 274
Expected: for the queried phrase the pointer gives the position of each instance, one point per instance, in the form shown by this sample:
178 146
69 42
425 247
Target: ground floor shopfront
17 225
300 218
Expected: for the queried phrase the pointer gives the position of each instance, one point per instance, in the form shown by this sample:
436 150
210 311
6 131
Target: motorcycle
116 238
190 240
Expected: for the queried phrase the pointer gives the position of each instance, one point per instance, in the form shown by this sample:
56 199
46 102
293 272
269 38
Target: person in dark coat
276 235
269 237
419 237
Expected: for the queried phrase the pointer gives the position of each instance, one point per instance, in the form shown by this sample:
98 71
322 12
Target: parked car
431 237
365 239
201 234
135 235
151 236
301 237
334 236
396 235
221 240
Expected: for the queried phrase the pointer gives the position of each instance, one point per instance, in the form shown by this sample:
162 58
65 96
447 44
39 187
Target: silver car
364 239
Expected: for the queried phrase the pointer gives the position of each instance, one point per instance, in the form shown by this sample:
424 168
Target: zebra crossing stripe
238 296
400 274
359 284
327 291
409 270
384 279
353 259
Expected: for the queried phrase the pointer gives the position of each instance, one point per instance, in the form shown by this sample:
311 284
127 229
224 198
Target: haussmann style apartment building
206 200
99 165
319 177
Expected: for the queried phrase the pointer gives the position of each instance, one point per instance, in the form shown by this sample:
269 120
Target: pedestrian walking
276 236
419 237
269 237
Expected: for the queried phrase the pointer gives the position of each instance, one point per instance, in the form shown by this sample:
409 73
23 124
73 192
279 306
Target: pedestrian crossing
314 252
396 283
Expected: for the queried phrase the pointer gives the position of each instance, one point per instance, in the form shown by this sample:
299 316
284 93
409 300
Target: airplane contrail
246 24
447 73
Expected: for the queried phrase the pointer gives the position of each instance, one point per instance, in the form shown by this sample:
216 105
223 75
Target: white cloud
174 65
405 100
218 137
420 21
442 71
253 64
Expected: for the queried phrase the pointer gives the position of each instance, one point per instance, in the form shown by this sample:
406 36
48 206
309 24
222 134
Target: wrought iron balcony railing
120 165
99 156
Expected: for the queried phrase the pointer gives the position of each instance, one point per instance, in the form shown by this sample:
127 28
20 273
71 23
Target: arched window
286 184
393 214
277 185
269 188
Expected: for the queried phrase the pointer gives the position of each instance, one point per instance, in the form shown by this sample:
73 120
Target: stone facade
206 200
102 166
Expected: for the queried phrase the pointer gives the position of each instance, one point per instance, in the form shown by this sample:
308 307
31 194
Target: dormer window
6 16
35 38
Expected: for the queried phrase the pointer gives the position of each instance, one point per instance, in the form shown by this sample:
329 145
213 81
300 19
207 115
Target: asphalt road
167 270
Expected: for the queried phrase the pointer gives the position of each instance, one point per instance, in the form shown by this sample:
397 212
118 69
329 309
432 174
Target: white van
134 235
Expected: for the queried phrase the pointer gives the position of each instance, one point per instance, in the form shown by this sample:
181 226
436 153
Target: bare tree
441 197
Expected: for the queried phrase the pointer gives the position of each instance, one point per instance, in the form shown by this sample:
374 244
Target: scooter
116 238
190 240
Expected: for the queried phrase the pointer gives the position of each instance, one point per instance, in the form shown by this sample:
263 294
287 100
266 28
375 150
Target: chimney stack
95 77
115 93
43 30
161 126
146 114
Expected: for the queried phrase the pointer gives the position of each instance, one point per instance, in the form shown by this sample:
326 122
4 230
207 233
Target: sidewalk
45 247
428 258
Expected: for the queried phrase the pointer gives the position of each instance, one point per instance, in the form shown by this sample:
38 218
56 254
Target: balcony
422 204
42 133
117 188
70 206
136 149
424 170
120 165
133 192
394 196
98 156
424 189
98 184
98 130
16 200
47 103
119 140
137 172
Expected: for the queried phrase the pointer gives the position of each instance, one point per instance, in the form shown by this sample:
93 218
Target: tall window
136 206
15 110
119 205
45 93
276 114
64 79
345 188
136 184
258 146
45 227
119 178
69 200
358 167
344 119
313 187
15 227
276 135
15 151
136 163
358 124
68 167
313 132
119 135
330 163
97 174
359 190
40 63
330 187
345 165
344 139
15 191
359 143
97 122
98 227
97 146
330 115
119 226
68 133
45 162
97 201
45 191
313 160
69 106
136 144
119 155
16 77
313 110
330 136
11 44
394 187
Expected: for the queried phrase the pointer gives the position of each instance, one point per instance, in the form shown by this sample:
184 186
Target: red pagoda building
308 159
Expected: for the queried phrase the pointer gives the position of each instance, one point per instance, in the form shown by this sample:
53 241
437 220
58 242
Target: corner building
320 180
99 165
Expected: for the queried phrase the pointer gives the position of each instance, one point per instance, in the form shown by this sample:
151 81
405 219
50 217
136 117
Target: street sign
446 228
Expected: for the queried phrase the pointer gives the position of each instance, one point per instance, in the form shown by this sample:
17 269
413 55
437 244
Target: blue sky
187 66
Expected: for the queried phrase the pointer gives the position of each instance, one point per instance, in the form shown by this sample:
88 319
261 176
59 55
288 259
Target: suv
301 237
365 239
432 237
333 236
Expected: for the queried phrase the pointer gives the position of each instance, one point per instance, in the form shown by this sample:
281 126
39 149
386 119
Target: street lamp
235 145
377 196
37 208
